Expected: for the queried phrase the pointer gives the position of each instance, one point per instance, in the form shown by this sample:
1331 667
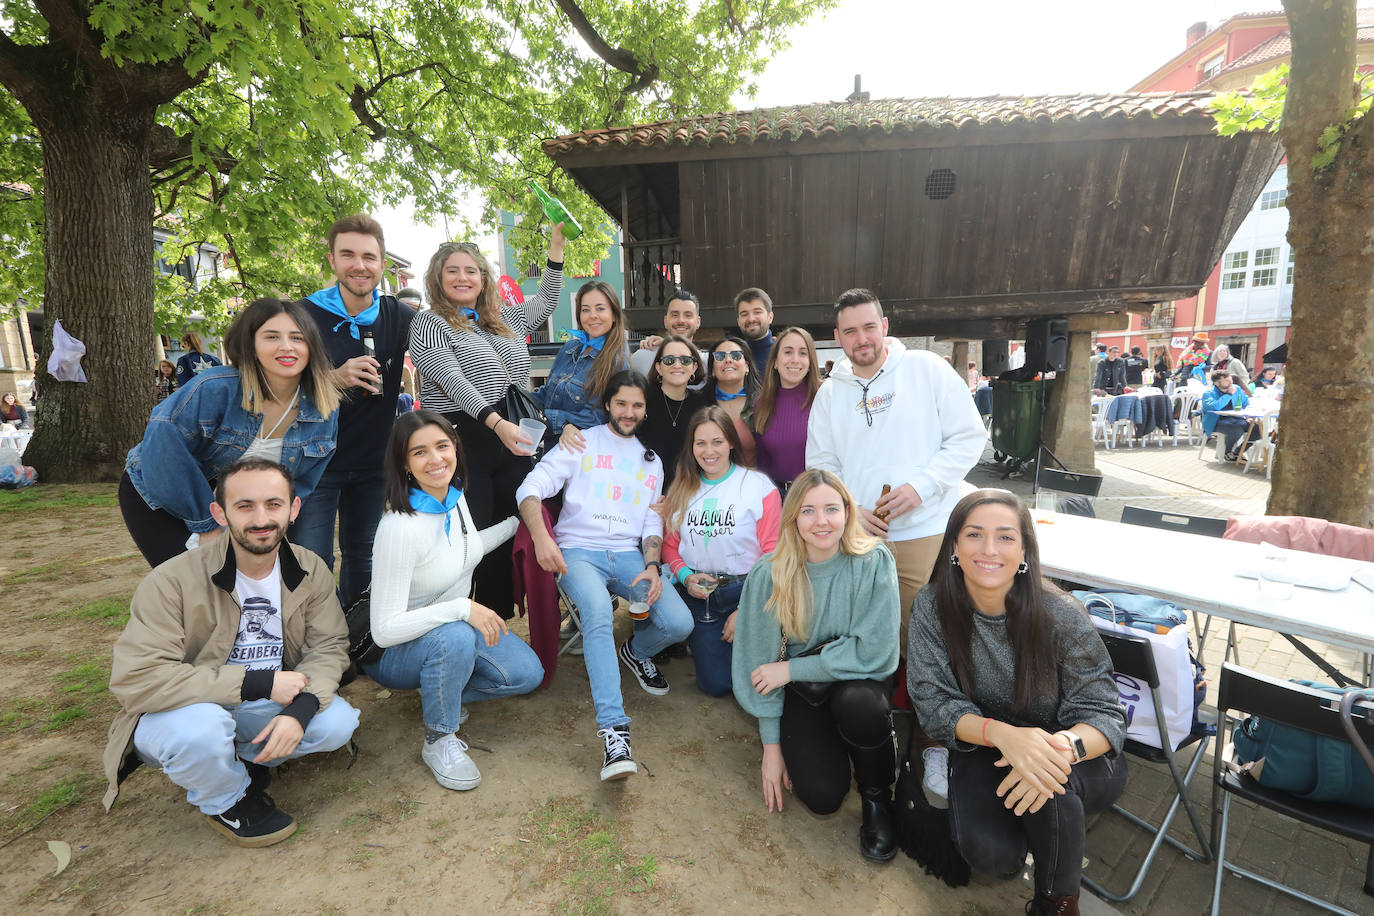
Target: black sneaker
618 762
644 671
254 820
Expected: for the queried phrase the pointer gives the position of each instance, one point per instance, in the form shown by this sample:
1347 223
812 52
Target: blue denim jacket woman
201 429
571 398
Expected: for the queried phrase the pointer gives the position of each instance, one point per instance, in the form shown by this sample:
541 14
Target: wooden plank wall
1063 218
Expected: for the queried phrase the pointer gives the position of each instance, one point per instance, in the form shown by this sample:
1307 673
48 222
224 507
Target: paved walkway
1173 478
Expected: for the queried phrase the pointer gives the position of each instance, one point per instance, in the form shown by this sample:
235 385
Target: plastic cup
639 601
535 430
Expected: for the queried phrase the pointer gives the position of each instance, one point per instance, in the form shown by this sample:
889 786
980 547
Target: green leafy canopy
305 110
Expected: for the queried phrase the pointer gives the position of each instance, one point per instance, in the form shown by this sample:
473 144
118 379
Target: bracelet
985 732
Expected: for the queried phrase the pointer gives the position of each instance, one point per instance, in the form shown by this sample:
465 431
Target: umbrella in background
1277 355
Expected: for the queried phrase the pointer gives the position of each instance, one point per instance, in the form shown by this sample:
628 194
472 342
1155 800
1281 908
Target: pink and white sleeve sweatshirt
728 525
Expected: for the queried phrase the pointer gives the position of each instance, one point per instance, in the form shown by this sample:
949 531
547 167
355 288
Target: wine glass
708 583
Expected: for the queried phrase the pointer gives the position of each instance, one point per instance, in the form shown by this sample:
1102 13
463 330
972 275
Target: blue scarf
596 343
421 501
722 396
330 300
470 314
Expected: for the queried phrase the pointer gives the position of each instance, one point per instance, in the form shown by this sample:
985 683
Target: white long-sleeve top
608 489
420 578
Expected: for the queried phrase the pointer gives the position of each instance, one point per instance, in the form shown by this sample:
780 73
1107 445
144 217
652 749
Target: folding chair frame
1133 657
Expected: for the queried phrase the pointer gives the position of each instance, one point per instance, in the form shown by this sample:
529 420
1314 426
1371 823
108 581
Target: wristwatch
658 566
1075 745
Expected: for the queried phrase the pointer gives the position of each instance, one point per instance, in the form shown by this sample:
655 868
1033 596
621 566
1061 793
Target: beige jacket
182 624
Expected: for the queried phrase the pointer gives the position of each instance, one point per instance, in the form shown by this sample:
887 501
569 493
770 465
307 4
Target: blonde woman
470 349
278 401
194 361
821 611
790 383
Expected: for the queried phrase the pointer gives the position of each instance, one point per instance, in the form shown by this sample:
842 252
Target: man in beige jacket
231 660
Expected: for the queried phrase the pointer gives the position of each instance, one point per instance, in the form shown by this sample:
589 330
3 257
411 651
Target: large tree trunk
1325 466
98 248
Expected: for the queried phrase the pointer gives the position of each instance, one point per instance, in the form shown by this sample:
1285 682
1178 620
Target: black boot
875 770
1045 904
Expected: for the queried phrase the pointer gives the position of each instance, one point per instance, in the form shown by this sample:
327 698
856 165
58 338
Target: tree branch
619 58
169 149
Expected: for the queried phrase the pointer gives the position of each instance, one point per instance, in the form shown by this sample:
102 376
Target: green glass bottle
557 212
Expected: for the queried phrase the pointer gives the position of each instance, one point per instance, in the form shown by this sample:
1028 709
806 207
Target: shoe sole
648 688
619 770
457 785
253 842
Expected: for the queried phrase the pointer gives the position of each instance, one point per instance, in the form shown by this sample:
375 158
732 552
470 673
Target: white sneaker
447 758
935 783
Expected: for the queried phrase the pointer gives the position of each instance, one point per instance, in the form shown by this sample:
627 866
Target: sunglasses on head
736 355
678 360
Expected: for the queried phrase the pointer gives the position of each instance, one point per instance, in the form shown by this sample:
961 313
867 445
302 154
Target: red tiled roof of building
792 122
1280 47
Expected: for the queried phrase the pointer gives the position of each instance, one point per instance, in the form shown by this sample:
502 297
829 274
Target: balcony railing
655 268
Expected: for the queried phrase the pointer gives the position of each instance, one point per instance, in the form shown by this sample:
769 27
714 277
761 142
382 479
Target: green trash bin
1017 411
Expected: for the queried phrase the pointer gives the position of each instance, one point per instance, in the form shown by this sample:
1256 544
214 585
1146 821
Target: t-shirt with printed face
258 645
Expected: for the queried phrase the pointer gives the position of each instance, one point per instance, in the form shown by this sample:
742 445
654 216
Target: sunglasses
736 355
678 360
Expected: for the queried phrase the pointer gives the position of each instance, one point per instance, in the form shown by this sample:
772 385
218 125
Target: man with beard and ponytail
608 540
230 662
365 334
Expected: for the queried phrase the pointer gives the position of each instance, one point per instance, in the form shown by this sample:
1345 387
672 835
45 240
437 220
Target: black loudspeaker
1047 344
995 358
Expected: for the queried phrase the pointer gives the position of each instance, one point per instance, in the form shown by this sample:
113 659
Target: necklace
680 405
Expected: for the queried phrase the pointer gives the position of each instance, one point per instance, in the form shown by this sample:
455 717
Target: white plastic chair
1261 453
1098 416
1181 402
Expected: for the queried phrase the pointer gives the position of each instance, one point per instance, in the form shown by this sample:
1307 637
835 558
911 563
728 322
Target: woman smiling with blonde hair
815 642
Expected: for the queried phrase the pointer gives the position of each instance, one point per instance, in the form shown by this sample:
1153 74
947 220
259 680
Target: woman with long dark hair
730 368
790 383
719 519
822 611
277 401
433 635
471 349
1009 674
671 402
571 398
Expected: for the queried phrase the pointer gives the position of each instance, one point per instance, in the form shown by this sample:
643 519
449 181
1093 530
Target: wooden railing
655 269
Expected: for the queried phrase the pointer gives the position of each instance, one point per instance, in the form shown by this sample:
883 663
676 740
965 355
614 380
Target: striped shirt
471 370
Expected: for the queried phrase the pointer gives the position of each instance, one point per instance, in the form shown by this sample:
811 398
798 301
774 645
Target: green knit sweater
854 599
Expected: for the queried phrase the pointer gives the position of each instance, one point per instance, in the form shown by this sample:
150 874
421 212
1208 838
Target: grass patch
581 846
19 713
77 570
87 679
65 793
45 499
113 611
64 717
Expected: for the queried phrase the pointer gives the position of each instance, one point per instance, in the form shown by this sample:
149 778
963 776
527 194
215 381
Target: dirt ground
541 834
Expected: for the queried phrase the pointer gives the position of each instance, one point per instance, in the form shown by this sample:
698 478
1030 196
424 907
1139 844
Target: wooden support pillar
1068 424
960 357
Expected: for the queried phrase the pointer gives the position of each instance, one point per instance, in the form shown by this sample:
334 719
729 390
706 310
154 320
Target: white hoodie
925 431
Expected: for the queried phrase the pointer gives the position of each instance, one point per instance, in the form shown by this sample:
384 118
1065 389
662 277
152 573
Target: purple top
782 446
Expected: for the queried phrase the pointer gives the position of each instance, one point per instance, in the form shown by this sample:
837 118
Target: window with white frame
1272 200
1264 274
1266 256
1233 265
1288 276
1212 67
1268 276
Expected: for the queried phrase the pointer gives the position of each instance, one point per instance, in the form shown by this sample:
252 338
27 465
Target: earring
953 560
1021 570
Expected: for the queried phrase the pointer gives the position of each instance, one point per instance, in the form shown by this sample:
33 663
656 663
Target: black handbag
814 693
521 405
361 649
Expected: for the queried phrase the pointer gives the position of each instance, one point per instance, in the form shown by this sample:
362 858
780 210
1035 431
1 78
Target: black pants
850 733
493 476
1233 428
993 839
158 534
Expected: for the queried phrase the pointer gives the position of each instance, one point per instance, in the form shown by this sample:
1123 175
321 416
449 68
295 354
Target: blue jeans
592 577
356 498
710 653
200 747
452 664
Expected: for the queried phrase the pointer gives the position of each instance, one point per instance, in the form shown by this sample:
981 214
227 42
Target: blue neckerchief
596 343
722 396
470 314
330 300
421 501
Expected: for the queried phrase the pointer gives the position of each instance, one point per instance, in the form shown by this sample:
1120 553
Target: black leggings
158 534
850 732
493 476
994 840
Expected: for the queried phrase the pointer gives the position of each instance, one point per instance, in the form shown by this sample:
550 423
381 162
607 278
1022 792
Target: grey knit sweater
1083 687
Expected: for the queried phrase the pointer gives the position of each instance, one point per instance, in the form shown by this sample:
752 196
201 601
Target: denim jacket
564 396
201 429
